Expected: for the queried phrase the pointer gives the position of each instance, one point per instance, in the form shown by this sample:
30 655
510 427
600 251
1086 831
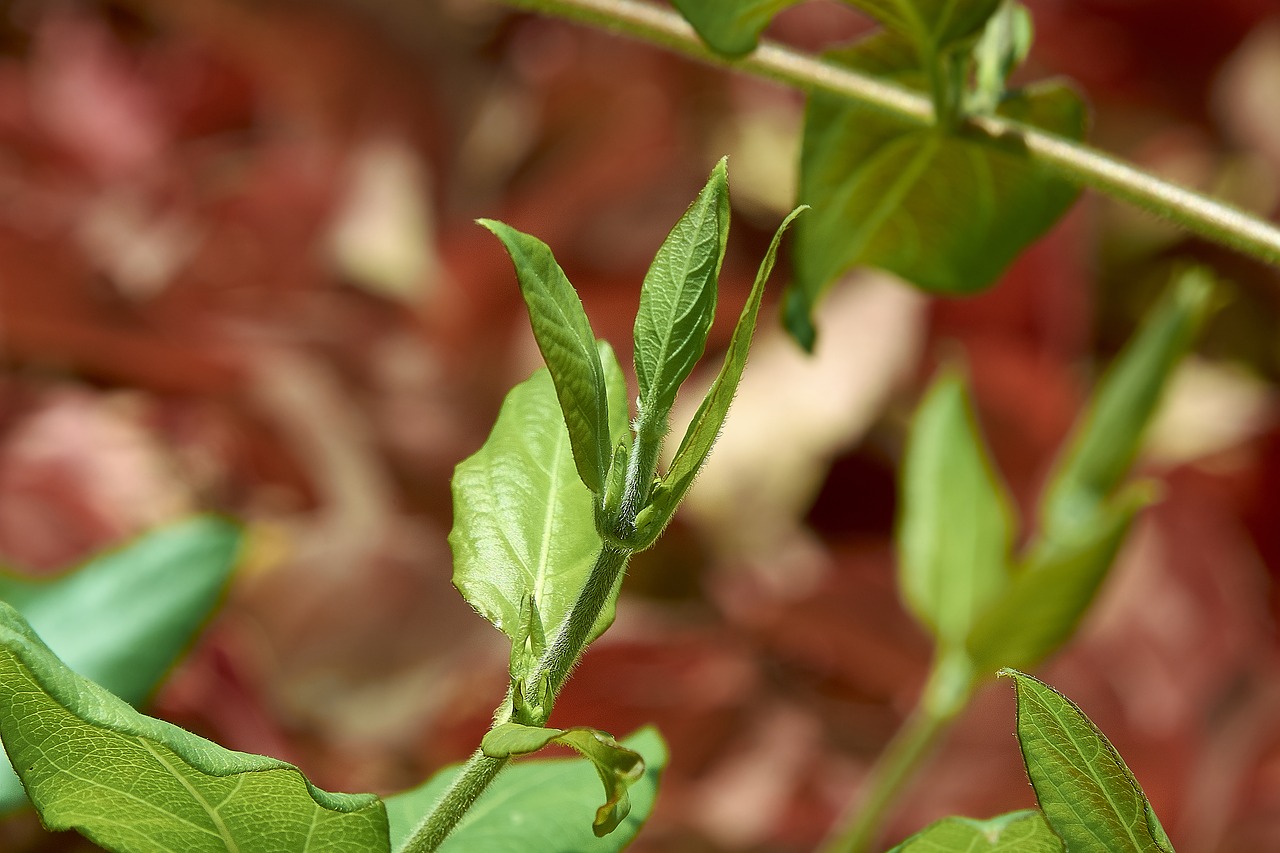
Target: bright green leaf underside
133 783
731 27
536 806
1016 832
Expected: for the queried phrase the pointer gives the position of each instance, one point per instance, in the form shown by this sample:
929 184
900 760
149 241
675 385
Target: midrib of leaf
943 20
548 522
223 832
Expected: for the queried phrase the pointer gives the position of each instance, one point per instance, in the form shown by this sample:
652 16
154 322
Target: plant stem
476 775
1082 164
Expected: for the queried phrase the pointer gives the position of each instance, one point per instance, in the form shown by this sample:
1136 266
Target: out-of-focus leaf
956 527
930 25
568 345
537 804
731 27
1086 792
948 212
1108 437
134 784
123 618
1002 47
1015 832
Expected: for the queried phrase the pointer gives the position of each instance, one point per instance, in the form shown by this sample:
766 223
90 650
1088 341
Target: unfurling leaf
1016 832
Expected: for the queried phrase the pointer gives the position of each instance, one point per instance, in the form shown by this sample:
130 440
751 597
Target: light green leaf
123 618
678 300
708 420
956 526
134 784
930 25
1087 793
947 212
568 345
1015 832
536 806
731 27
1108 437
1002 47
617 766
1040 609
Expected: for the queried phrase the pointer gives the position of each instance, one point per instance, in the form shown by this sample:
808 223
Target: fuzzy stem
1082 164
476 775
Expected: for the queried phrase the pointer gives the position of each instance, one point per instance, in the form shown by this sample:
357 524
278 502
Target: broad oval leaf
134 784
536 806
568 346
946 211
678 300
1015 832
731 27
930 25
124 617
1107 439
1087 793
956 526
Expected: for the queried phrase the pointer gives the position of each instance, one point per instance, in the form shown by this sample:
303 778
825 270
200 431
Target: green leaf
1015 832
731 27
1087 793
678 300
536 805
568 345
947 212
135 784
1108 437
1040 609
617 766
708 420
930 25
1002 47
523 521
956 526
123 618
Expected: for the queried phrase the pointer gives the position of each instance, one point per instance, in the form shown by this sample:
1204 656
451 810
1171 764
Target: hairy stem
1197 213
476 775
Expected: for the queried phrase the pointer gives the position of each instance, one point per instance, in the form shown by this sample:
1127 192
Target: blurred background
239 272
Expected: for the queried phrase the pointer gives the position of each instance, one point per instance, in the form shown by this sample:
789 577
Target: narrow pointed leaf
617 766
956 526
708 420
1087 793
1002 47
1106 441
678 299
1016 832
134 784
947 212
930 25
123 618
537 805
568 345
523 519
731 27
1043 605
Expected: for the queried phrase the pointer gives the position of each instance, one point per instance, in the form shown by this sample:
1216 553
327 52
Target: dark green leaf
947 212
956 527
678 300
617 766
1107 439
568 345
134 784
536 806
1016 832
123 618
1087 793
731 27
707 421
930 25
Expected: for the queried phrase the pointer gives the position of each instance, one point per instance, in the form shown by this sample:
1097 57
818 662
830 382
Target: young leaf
536 805
523 520
617 766
1040 609
707 421
1015 832
123 618
568 345
930 25
1108 437
678 299
956 526
947 212
1004 44
731 27
134 784
1087 793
